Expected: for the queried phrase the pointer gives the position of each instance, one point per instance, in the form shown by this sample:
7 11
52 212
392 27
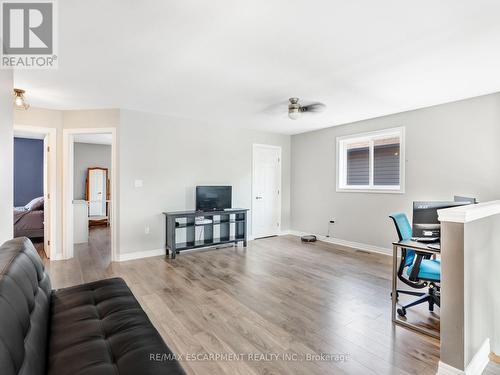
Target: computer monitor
458 198
425 218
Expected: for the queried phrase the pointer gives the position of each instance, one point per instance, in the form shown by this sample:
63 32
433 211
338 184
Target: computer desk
418 247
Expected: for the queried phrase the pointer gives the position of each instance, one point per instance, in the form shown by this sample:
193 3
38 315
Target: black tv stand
215 227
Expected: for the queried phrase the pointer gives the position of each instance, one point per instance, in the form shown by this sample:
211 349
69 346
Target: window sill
375 191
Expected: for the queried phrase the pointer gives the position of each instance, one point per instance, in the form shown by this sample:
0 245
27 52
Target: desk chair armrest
425 255
416 266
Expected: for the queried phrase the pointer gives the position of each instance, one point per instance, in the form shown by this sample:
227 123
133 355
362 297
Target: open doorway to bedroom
34 187
89 195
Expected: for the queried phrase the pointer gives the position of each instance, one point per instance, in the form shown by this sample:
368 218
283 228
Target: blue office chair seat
430 269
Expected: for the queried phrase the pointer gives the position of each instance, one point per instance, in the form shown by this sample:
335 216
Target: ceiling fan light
294 113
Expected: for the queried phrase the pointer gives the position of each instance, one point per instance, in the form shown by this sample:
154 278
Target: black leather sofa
91 329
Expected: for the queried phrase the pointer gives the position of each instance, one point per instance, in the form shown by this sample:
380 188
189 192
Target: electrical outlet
330 222
146 229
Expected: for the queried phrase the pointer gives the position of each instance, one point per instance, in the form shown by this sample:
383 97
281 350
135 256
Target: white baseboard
56 257
444 369
345 243
480 360
475 367
354 245
140 254
280 233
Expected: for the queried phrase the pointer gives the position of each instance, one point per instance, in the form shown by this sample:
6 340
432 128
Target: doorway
89 184
35 187
266 191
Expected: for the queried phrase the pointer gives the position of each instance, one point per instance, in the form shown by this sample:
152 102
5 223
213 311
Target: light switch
138 183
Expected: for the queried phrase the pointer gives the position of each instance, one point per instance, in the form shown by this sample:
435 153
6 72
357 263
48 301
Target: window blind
386 165
358 166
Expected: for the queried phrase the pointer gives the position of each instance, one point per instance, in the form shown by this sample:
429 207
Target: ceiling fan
295 109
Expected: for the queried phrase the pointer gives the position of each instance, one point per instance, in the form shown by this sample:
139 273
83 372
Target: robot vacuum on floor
308 238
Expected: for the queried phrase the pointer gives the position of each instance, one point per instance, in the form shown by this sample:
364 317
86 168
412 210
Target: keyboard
425 239
434 246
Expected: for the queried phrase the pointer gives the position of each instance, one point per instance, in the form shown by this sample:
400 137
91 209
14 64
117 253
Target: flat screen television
213 198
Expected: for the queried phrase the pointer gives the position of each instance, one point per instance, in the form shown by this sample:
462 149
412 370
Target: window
371 161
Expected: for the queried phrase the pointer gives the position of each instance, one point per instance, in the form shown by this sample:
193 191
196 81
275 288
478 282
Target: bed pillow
35 204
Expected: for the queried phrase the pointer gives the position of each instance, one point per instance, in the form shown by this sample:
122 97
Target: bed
28 220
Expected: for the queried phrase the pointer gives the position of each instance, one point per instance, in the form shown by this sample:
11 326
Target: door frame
68 180
49 183
256 146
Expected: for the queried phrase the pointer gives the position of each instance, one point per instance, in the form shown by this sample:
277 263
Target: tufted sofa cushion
24 309
91 329
99 328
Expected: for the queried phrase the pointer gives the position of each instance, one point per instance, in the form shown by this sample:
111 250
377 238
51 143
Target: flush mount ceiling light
19 100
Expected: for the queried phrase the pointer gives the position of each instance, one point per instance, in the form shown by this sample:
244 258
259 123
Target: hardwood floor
91 261
493 368
277 296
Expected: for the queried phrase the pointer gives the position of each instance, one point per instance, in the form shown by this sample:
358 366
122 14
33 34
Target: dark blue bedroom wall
28 170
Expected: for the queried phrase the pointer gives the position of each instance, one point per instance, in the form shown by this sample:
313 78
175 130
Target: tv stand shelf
212 227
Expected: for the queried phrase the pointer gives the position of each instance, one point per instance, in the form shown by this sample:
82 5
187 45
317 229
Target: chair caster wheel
401 312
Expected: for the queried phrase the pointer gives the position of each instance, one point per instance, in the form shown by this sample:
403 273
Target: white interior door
97 186
266 207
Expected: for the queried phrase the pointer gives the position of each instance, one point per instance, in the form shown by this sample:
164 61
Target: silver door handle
257 197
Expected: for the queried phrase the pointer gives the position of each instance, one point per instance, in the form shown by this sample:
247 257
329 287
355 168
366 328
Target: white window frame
370 137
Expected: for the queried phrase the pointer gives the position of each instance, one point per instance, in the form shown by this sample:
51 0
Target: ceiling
224 62
100 139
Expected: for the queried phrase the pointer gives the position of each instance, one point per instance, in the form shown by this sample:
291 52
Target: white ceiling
100 139
225 61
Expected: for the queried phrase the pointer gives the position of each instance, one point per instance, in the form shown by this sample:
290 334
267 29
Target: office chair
421 270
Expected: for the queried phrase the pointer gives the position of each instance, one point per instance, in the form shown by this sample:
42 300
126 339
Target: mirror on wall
97 195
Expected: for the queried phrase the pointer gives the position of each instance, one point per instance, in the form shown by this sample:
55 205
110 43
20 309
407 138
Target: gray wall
172 156
6 152
452 295
450 149
88 155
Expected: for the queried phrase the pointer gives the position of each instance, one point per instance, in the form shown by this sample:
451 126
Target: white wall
6 156
87 155
481 280
91 118
451 149
60 120
172 156
470 308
